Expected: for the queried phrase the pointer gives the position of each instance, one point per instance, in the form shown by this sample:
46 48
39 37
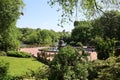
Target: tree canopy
82 32
9 13
88 7
108 25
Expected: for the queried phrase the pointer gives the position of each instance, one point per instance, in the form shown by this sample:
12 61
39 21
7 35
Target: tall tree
108 25
82 32
106 34
9 13
46 38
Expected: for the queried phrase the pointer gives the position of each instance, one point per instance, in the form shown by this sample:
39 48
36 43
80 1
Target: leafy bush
18 54
79 44
42 73
105 47
68 64
3 70
9 77
2 53
108 69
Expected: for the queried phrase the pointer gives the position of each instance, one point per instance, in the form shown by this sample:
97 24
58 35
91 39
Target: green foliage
9 40
18 54
87 7
105 48
31 38
68 64
73 43
107 25
9 13
41 73
3 69
66 37
8 77
82 32
76 23
38 36
105 70
113 71
45 37
2 53
106 34
28 36
79 44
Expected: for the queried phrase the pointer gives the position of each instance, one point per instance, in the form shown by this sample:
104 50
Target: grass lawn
19 66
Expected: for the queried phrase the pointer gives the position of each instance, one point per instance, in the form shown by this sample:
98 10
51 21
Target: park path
93 56
35 50
32 51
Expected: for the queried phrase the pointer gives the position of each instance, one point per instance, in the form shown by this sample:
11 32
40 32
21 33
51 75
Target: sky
38 14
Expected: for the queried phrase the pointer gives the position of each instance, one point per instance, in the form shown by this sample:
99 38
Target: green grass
19 66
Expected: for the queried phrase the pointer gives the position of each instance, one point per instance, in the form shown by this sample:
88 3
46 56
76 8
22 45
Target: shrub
79 44
105 47
18 54
3 70
9 77
68 64
2 53
111 72
42 73
105 69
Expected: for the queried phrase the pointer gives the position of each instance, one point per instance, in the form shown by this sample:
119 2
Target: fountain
61 43
47 54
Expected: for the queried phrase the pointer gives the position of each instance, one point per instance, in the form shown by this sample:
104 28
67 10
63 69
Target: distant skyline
38 14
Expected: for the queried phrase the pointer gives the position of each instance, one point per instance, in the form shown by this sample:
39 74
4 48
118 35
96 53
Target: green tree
45 36
32 37
68 64
67 37
38 36
9 13
108 25
107 28
82 32
54 36
105 48
27 35
9 40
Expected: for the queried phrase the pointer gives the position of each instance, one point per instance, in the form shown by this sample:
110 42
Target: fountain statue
61 43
